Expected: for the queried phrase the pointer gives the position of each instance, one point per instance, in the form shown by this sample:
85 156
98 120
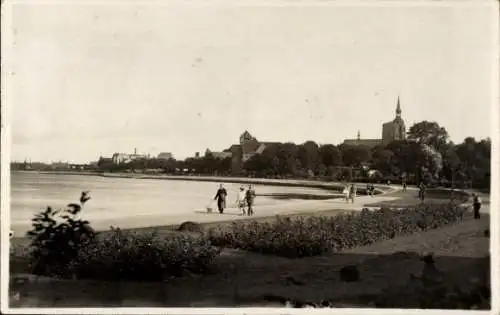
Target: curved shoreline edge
379 188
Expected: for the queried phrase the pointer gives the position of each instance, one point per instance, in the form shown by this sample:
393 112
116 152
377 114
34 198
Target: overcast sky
90 80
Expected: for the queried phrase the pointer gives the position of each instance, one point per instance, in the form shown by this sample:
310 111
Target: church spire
398 109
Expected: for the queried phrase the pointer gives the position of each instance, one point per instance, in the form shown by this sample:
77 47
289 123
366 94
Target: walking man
476 204
220 196
250 197
421 192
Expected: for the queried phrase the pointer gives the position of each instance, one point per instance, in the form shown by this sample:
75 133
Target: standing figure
241 200
250 197
220 196
372 190
404 184
352 192
346 193
476 204
421 192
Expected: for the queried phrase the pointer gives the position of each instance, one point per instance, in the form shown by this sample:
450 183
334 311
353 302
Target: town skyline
109 79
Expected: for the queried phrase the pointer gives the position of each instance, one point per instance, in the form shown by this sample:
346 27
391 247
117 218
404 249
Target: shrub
300 237
124 256
189 226
56 238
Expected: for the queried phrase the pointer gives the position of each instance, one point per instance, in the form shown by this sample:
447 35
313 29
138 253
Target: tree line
427 155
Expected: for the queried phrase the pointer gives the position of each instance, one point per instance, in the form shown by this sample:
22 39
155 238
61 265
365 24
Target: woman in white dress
241 199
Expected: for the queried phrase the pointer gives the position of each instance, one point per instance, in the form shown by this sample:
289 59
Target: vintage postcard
249 156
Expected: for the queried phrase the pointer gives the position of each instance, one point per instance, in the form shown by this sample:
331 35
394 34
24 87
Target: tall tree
383 160
430 133
308 155
355 155
329 155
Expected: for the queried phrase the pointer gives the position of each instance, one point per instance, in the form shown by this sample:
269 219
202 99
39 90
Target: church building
391 131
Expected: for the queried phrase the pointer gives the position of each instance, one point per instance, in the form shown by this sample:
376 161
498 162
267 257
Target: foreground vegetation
301 237
62 245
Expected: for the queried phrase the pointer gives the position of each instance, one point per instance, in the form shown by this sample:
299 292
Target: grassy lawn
241 278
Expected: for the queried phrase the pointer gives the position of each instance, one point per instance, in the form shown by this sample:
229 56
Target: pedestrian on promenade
352 192
476 204
421 192
346 193
372 190
220 196
404 185
250 197
241 200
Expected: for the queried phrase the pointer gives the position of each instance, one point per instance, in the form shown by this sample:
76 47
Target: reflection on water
118 198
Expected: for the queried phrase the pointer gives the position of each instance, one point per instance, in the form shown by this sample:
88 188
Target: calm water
117 199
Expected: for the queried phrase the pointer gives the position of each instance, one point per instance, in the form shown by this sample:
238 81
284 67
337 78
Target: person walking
241 200
346 193
220 196
421 192
352 192
476 205
372 190
250 197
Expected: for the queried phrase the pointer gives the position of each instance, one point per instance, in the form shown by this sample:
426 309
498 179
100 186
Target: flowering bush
301 237
143 256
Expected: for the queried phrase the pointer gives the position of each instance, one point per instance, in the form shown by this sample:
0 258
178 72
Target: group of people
244 200
350 192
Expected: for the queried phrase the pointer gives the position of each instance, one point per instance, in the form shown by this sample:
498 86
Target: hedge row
301 237
145 257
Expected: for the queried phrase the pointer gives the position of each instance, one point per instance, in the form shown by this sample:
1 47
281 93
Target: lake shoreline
379 188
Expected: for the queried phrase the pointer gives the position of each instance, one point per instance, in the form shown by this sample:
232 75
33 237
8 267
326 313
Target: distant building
197 155
221 155
59 166
391 131
120 158
248 147
165 156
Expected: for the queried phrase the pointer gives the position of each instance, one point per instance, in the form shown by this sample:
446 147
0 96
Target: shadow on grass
240 279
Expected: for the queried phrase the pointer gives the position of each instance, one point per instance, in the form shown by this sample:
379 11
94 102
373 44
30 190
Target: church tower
396 129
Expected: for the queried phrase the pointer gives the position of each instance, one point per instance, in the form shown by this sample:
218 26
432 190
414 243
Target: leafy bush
56 238
300 237
142 256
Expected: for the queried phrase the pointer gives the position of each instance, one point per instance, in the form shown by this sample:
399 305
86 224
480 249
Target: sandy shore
233 214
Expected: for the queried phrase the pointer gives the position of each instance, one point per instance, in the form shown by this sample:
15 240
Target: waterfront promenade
232 213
